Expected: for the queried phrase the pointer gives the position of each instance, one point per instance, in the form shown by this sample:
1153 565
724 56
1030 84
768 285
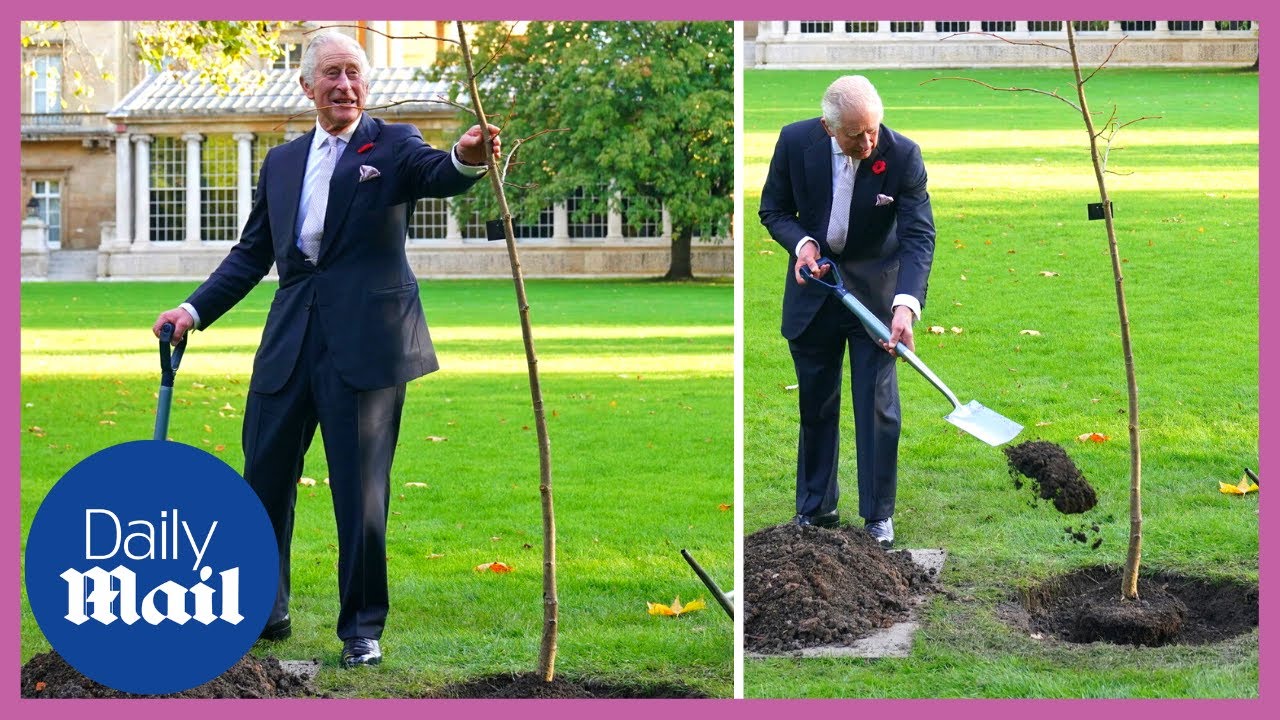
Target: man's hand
900 330
808 256
182 322
471 145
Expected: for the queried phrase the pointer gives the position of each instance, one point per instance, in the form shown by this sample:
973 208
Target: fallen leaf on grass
1048 273
219 448
416 484
937 330
435 556
1028 332
766 252
957 330
436 438
36 430
791 387
724 507
675 609
497 567
1092 437
1243 488
309 482
106 422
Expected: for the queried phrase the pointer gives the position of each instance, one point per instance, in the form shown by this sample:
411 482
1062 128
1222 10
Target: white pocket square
883 200
369 172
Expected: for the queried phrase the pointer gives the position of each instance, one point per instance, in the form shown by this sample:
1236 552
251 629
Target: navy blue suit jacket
889 249
369 309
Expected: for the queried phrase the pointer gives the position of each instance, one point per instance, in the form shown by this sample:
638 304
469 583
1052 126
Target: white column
452 231
883 27
1209 27
1162 27
837 27
1020 27
244 177
613 219
124 226
1113 27
193 187
560 221
142 190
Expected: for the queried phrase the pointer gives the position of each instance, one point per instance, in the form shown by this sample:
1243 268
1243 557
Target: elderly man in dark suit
346 330
845 187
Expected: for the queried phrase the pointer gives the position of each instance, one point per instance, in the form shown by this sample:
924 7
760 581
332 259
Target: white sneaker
882 531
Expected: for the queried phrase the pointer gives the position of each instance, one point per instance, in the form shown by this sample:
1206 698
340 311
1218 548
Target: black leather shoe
278 630
360 651
824 520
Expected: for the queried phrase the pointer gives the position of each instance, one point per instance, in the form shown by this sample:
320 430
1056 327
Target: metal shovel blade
984 423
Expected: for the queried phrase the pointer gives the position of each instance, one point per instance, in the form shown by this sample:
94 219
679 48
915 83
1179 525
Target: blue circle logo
151 567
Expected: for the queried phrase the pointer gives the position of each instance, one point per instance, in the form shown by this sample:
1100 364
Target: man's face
338 88
858 133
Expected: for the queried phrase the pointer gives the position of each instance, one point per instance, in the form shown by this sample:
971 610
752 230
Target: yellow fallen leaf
219 448
435 556
1244 488
497 567
416 484
1048 273
1029 332
309 482
725 506
198 386
791 387
227 406
1092 437
436 438
106 422
956 330
766 252
675 609
937 330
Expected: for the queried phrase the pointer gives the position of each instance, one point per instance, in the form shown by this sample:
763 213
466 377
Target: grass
634 375
1009 178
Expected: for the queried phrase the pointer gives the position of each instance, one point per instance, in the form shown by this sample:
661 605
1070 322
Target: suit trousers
359 430
818 354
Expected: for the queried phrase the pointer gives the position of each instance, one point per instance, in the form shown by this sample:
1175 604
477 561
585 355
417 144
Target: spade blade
984 423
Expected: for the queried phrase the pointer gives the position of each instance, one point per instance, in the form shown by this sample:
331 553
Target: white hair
850 93
307 67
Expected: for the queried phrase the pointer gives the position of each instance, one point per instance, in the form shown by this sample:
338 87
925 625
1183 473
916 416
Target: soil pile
808 587
1084 606
531 685
49 676
1053 475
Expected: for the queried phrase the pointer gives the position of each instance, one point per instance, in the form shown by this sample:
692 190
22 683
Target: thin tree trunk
681 266
1129 585
550 599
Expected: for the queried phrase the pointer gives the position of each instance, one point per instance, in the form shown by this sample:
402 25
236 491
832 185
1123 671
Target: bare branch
437 99
1003 39
419 36
1053 94
1105 60
1138 120
506 42
516 147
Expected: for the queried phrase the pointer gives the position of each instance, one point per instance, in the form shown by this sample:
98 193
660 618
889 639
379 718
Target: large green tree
641 109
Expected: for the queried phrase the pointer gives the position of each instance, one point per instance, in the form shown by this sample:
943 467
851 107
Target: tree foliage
223 53
647 110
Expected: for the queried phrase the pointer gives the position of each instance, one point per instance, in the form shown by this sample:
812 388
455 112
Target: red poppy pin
877 167
369 146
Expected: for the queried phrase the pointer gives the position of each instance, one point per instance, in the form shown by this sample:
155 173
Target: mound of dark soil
531 685
1085 606
1053 475
808 586
49 676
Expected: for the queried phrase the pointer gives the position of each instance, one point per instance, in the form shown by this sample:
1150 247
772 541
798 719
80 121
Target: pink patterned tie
313 222
841 198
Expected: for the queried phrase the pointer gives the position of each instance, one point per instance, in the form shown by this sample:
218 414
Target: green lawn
1009 179
637 381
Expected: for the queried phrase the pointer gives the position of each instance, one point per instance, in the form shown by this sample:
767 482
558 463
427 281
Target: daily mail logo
95 592
146 547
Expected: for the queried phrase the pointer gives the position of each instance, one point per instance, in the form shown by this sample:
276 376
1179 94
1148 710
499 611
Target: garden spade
725 599
168 368
974 418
